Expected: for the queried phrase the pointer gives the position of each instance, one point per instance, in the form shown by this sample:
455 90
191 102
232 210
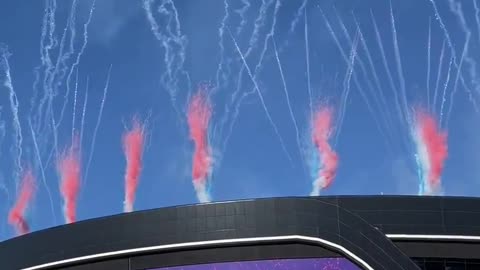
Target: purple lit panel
281 264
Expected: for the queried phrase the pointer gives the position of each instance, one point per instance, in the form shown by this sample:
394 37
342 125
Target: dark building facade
344 232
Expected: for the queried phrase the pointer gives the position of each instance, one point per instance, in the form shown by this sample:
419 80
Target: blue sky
251 163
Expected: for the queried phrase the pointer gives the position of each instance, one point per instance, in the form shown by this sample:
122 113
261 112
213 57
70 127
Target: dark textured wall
357 223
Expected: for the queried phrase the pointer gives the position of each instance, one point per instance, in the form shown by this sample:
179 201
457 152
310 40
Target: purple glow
281 264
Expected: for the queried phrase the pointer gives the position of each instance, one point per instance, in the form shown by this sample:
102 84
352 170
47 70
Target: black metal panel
357 223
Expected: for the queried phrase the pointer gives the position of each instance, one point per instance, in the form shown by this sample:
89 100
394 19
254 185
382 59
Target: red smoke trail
17 214
133 141
435 142
199 112
69 170
321 132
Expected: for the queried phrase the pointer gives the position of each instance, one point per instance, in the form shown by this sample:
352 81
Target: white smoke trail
377 102
235 102
398 61
439 73
74 107
174 44
298 14
477 17
445 89
355 78
97 125
285 90
346 89
272 123
383 100
82 123
452 48
17 128
456 8
401 115
42 170
77 60
455 86
221 32
241 12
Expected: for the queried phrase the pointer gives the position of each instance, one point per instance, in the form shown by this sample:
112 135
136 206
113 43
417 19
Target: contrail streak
97 125
274 126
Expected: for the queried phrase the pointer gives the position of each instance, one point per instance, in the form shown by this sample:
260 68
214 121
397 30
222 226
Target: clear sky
158 61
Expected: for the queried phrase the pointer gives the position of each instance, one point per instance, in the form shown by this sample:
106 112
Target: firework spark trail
389 118
97 125
398 61
259 23
16 217
375 96
346 89
252 44
285 89
348 61
431 152
17 128
82 123
133 142
77 62
198 115
456 8
439 73
401 113
221 32
174 58
307 56
444 99
241 12
46 60
325 170
252 77
69 170
452 49
477 17
42 170
457 77
74 105
428 61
